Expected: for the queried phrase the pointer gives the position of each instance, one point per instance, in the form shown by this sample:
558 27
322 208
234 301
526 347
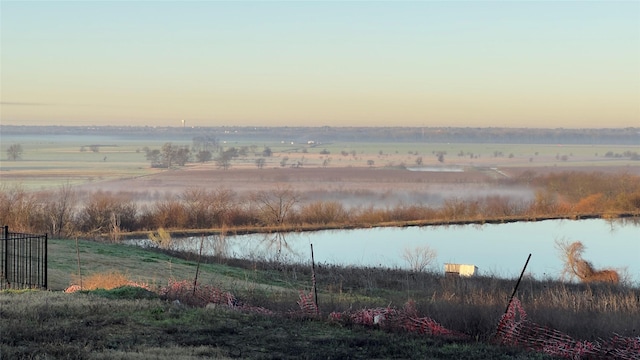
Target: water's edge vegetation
114 216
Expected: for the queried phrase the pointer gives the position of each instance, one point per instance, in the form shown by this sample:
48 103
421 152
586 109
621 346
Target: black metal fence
23 261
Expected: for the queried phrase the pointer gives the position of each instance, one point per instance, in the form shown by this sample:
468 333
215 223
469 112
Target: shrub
590 204
102 209
323 212
169 214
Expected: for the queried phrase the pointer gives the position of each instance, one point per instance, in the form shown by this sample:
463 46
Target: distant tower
183 123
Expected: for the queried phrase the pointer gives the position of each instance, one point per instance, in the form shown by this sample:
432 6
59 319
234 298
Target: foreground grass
134 324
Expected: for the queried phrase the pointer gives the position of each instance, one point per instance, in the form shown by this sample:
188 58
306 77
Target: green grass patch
140 265
125 292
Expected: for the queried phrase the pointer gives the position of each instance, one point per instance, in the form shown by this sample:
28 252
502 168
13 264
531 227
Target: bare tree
173 154
224 160
260 162
203 156
14 152
276 205
61 210
101 209
195 204
182 155
154 157
221 203
206 208
420 257
19 208
168 154
205 143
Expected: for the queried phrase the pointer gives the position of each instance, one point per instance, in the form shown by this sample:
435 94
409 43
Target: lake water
497 249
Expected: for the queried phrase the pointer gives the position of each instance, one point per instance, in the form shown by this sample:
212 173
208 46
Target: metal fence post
45 265
5 248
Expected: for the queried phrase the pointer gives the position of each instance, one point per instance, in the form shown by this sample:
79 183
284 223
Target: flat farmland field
362 173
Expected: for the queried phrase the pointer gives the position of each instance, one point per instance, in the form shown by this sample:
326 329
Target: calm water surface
500 249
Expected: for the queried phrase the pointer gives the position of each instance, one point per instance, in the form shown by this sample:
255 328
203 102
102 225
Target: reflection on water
275 243
497 249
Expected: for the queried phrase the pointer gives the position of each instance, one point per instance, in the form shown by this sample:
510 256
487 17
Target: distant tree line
169 155
326 134
202 150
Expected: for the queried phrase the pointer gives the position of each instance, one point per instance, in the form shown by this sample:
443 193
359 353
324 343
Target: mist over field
358 167
378 196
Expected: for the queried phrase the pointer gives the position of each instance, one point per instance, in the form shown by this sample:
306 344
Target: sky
571 64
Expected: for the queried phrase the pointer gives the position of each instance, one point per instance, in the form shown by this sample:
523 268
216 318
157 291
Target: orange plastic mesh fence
401 319
515 329
307 304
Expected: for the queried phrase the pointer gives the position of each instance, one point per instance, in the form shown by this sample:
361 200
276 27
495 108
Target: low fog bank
349 195
431 196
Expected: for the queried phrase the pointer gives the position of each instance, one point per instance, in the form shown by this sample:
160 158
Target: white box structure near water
464 270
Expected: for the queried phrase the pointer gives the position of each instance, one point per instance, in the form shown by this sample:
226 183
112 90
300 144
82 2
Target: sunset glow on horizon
507 64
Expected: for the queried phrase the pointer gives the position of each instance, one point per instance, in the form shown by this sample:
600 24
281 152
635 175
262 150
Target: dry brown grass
105 280
576 266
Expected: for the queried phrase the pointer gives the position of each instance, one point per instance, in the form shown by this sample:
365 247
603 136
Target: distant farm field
120 164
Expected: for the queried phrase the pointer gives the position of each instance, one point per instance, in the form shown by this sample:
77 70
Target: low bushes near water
104 214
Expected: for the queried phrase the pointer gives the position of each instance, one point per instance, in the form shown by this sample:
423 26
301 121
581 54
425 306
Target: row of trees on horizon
204 148
621 136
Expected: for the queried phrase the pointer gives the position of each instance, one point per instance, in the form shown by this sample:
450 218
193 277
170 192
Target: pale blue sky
518 64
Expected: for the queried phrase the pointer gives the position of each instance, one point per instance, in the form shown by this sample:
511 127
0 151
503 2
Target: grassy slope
133 324
137 264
